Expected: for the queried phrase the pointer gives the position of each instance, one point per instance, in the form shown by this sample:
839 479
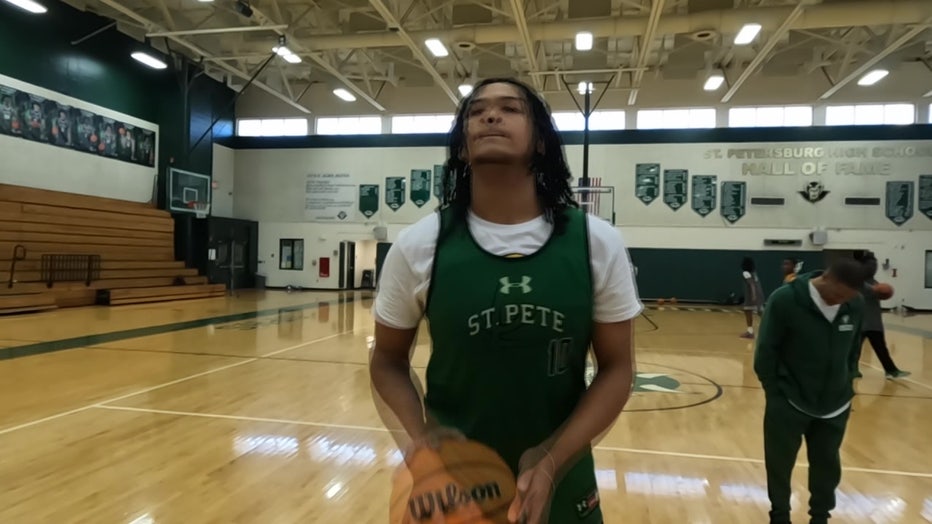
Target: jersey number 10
558 353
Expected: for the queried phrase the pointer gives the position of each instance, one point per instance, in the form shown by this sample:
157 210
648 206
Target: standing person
753 295
516 283
789 269
872 329
805 359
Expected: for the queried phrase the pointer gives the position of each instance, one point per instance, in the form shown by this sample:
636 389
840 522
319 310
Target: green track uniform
806 364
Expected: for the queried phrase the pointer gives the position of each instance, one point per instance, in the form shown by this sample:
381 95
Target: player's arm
855 352
616 305
770 339
397 315
613 347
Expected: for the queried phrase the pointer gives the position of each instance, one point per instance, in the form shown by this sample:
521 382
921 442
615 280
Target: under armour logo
507 285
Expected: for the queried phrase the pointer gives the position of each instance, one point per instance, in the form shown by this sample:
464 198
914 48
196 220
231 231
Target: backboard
597 200
187 191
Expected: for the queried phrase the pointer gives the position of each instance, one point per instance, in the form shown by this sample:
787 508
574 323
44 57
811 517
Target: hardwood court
257 409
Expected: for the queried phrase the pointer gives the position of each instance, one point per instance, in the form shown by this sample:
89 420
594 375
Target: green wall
710 275
38 49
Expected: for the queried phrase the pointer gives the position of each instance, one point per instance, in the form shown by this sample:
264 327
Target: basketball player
805 359
872 329
753 295
516 283
789 269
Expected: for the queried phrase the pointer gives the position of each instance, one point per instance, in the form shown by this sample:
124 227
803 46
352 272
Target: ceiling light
747 34
292 59
29 5
344 94
714 82
436 47
583 41
873 77
149 60
582 87
465 89
205 1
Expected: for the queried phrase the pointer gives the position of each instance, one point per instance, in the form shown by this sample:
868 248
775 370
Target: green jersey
510 337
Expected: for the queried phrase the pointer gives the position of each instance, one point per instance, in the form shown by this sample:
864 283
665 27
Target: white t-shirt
405 278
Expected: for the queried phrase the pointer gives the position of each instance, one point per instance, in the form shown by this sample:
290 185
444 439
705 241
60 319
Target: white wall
45 166
223 180
271 189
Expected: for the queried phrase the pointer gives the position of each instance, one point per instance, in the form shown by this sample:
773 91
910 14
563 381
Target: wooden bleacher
134 243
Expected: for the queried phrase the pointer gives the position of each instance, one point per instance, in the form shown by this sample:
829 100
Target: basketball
883 290
462 482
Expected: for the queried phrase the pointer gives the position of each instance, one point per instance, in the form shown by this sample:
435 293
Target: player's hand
535 487
432 439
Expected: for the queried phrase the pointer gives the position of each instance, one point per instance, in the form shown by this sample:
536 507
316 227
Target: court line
904 379
754 461
164 385
82 341
597 448
241 417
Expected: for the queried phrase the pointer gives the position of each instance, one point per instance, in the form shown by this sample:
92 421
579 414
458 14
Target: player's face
788 267
837 293
498 126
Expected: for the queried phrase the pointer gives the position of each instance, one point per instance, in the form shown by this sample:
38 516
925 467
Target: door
381 251
347 265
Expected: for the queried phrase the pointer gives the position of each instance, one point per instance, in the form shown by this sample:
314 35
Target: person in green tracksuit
806 358
517 285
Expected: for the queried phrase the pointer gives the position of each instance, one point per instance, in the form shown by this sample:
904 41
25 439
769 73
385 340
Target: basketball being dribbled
883 290
461 482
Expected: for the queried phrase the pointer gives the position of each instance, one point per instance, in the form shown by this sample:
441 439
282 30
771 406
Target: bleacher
77 250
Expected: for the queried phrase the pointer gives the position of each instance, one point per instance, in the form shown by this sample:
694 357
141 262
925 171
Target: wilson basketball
883 290
461 482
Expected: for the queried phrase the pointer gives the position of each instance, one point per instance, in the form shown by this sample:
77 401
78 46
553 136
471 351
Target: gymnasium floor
257 409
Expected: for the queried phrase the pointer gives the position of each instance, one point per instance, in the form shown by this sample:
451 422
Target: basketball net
201 209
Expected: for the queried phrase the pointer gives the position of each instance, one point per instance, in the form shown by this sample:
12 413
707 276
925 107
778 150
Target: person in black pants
872 328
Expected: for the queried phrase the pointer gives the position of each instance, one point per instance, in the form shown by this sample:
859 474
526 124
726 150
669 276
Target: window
422 124
291 254
271 127
676 118
870 114
349 125
928 269
778 116
598 120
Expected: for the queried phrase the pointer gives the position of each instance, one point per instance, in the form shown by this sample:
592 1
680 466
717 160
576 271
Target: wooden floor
257 409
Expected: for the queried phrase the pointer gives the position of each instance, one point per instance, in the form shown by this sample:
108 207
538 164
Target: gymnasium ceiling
368 46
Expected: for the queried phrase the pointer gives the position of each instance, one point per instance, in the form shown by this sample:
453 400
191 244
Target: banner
925 195
647 182
734 200
368 199
674 187
899 206
420 186
704 194
394 192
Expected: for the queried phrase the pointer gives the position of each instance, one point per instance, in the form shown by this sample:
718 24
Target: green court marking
114 336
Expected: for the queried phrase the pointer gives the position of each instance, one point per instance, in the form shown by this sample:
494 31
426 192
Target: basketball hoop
201 209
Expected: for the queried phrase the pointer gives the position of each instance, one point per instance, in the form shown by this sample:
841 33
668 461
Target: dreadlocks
550 169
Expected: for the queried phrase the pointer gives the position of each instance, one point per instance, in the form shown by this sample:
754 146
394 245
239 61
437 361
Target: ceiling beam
517 9
395 26
152 26
726 21
216 30
764 52
296 46
647 40
896 44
